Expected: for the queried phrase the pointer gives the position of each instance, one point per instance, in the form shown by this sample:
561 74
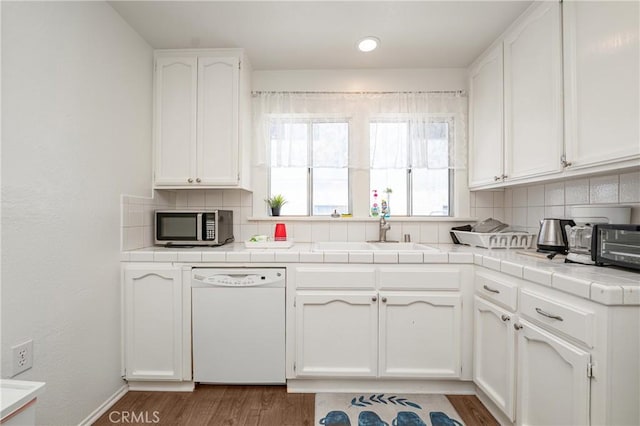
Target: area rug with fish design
386 409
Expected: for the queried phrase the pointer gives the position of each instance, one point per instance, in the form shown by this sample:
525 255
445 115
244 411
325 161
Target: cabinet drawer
499 291
435 278
569 320
335 277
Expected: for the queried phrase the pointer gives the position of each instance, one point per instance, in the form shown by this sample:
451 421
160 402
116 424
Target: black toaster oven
617 245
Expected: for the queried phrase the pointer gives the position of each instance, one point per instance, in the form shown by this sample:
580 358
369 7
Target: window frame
309 120
429 118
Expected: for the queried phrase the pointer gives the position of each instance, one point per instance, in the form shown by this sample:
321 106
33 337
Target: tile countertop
608 286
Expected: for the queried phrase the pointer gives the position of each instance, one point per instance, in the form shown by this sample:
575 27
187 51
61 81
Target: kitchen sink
343 246
361 246
402 247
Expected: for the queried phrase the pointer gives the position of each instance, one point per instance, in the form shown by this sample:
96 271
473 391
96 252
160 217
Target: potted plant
275 203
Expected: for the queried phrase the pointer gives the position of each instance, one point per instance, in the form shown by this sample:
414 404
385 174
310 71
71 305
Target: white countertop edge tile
607 295
571 285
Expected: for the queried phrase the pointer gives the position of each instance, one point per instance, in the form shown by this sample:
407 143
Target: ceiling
280 35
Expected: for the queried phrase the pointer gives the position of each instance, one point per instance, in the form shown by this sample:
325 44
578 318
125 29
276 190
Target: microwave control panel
210 227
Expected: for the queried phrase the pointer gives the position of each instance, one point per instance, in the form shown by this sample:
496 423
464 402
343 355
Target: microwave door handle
199 226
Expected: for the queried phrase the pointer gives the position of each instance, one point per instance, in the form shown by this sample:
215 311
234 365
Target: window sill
360 219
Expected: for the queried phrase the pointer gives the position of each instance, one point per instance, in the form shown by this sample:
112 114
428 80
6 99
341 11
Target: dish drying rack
521 240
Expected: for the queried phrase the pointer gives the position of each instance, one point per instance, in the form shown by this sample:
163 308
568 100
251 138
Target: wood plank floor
242 406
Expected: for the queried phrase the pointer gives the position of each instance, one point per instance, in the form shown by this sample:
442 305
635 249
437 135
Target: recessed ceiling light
368 44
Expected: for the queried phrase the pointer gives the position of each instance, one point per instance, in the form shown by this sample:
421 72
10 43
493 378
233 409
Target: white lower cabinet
420 334
337 333
152 322
371 330
371 334
495 354
553 379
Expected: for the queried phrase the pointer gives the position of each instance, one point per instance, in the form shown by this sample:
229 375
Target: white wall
76 97
350 80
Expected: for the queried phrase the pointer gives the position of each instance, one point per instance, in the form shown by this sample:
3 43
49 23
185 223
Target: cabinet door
336 334
485 120
602 81
218 94
175 120
153 323
420 334
533 93
494 354
553 382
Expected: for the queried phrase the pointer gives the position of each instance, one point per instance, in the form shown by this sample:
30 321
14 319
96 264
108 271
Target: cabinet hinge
239 65
294 366
590 370
294 305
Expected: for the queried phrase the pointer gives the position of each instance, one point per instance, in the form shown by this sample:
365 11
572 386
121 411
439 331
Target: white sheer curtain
386 130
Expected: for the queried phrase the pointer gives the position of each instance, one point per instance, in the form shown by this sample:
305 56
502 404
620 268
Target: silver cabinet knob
517 326
505 317
384 300
496 178
373 299
198 180
190 180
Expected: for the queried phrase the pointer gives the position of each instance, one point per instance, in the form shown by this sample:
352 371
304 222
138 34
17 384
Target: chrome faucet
384 227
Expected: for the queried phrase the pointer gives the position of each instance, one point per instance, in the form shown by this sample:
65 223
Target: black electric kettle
552 237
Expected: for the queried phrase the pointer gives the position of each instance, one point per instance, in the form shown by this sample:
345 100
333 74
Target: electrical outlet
22 357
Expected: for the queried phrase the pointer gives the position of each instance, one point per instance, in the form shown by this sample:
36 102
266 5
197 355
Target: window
412 159
309 159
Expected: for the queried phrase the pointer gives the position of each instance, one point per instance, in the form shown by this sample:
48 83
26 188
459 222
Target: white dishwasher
238 325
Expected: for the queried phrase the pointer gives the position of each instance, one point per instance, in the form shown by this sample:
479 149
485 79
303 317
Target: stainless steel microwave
193 227
616 245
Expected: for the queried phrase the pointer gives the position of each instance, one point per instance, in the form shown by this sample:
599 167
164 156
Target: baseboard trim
451 387
104 407
493 408
161 386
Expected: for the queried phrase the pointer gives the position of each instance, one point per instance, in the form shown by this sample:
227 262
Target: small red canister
281 232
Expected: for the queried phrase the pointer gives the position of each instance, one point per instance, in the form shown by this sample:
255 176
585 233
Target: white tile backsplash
603 189
213 199
356 231
535 195
428 233
484 199
195 198
576 191
498 199
559 197
554 194
630 188
232 198
338 232
520 197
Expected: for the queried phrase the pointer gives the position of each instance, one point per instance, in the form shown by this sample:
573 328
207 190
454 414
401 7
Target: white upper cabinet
533 93
217 150
175 119
602 82
485 119
200 98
